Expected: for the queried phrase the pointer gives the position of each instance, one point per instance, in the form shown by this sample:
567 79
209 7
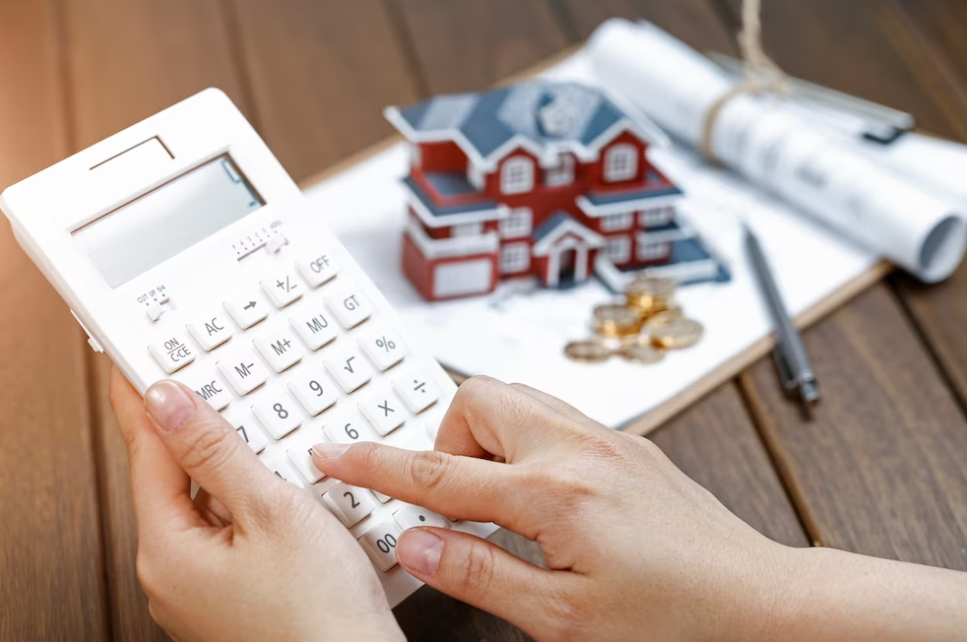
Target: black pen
795 369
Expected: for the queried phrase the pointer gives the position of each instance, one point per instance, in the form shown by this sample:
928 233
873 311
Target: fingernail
325 452
419 551
168 405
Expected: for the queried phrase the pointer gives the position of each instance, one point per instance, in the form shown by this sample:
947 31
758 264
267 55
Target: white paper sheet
909 222
518 336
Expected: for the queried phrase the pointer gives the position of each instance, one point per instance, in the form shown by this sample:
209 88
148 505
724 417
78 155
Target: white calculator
186 251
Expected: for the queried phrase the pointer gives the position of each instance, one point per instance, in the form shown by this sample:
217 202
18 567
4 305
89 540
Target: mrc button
173 352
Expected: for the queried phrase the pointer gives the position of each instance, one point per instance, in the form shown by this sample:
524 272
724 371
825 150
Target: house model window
618 249
468 229
517 176
652 251
562 173
620 163
518 224
515 257
617 222
655 216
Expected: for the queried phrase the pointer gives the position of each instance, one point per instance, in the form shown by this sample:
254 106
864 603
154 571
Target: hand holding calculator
185 251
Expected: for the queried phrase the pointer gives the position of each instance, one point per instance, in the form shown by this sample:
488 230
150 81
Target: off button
173 352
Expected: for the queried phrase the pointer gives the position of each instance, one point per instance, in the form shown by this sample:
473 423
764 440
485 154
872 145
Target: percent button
384 348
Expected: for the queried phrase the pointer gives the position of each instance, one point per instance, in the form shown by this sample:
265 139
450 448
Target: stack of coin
641 330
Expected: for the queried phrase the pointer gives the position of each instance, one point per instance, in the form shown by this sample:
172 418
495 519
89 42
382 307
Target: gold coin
642 353
682 333
650 294
669 315
616 320
590 351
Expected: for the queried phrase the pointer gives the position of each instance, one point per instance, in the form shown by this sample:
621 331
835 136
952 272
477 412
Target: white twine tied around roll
763 76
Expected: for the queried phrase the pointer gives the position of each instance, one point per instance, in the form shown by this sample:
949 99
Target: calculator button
381 497
300 456
318 268
350 369
314 390
349 503
315 328
278 413
283 288
380 545
283 470
349 305
244 425
384 348
211 331
173 352
418 391
348 428
384 412
248 309
280 349
243 369
210 387
413 516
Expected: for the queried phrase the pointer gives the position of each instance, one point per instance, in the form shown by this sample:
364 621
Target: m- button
173 352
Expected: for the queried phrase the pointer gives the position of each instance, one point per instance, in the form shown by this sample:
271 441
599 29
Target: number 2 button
349 503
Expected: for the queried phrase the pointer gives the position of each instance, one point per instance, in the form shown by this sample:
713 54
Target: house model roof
541 116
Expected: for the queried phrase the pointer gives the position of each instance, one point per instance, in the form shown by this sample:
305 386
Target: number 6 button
380 545
349 503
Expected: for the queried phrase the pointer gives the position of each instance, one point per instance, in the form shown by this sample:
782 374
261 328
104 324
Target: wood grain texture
880 469
696 22
468 46
50 545
862 47
128 59
321 72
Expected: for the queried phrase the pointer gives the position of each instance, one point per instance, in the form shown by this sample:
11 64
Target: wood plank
50 545
130 59
862 47
321 72
468 46
880 469
696 22
171 50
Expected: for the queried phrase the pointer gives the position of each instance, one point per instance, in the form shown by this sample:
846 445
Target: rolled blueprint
915 226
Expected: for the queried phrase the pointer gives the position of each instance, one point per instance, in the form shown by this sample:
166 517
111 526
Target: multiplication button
384 412
173 352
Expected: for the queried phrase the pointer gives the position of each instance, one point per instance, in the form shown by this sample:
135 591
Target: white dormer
557 118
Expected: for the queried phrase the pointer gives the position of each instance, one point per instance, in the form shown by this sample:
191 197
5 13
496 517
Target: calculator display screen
167 220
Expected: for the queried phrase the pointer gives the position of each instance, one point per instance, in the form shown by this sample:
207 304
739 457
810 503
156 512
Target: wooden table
881 470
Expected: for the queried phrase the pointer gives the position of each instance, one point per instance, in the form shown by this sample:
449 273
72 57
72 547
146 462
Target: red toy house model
535 179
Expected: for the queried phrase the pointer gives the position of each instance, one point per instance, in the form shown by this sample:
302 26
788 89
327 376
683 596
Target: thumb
484 575
207 447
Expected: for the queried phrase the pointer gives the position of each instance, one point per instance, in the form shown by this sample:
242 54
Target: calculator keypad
303 357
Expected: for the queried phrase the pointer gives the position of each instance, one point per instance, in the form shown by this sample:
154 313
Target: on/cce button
172 353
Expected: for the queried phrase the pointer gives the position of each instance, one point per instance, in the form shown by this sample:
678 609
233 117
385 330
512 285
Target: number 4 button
418 391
